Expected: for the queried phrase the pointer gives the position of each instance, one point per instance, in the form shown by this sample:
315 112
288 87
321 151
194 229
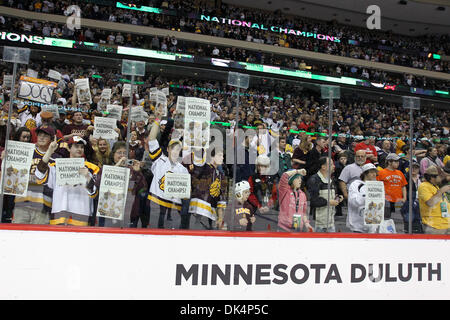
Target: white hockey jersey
160 166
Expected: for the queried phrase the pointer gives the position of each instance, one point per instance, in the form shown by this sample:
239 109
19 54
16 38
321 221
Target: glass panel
181 162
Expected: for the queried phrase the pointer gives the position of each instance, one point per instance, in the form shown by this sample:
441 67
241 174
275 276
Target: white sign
161 103
53 108
32 73
126 90
115 111
113 192
177 185
83 91
374 207
68 171
7 81
197 109
181 105
197 122
53 74
36 90
105 99
138 114
104 128
18 165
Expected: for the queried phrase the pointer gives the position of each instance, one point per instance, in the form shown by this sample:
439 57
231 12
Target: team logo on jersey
243 211
162 181
214 189
30 123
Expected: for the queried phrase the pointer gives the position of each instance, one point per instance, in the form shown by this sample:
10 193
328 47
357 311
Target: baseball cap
76 139
46 129
392 156
174 141
163 122
368 166
46 115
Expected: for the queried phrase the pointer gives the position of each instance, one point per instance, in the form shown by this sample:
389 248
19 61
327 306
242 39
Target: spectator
36 205
352 172
416 220
285 162
71 205
318 195
76 128
357 200
339 166
433 203
263 187
318 151
394 184
383 153
137 213
244 216
301 153
431 159
367 145
161 165
292 202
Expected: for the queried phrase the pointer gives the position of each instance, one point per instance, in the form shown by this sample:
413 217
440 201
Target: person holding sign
208 197
357 200
36 205
72 204
161 165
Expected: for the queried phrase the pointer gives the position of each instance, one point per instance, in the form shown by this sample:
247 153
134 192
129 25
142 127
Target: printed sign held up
68 171
18 165
113 191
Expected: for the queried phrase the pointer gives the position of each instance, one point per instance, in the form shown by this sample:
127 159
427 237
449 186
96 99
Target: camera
129 162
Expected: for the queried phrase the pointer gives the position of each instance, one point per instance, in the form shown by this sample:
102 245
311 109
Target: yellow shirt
431 216
447 157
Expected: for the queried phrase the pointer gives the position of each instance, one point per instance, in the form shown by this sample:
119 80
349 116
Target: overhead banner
113 192
18 165
36 89
68 171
